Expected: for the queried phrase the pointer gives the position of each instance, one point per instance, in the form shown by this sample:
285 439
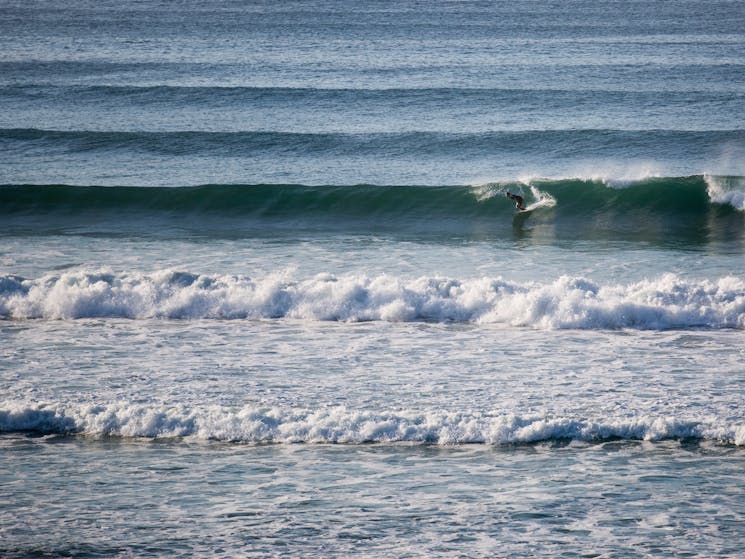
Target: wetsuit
518 200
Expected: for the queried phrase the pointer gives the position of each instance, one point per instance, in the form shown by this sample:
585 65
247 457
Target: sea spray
727 190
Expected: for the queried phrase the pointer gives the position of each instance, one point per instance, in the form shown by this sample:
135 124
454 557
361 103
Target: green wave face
690 209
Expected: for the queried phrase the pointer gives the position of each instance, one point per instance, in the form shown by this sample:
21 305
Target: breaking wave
347 426
666 302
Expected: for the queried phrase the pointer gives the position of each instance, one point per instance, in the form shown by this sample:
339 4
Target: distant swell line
341 425
394 144
216 93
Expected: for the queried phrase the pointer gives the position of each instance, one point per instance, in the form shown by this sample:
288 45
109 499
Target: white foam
542 199
726 190
343 425
568 302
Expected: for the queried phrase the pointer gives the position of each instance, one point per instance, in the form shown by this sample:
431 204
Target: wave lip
344 426
726 190
667 302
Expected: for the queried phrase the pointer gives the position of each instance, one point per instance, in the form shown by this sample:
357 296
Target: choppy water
262 292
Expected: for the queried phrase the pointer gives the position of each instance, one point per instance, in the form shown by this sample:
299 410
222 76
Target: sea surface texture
262 293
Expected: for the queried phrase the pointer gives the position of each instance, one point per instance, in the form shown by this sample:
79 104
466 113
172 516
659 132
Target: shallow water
299 381
615 499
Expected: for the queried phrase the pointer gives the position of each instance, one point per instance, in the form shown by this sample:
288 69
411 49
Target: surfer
518 200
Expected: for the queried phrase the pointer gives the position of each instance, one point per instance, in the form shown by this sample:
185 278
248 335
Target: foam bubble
568 302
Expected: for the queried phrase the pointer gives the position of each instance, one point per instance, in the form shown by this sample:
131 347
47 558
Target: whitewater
343 426
263 293
666 303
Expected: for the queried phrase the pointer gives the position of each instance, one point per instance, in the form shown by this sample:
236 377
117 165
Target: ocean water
262 293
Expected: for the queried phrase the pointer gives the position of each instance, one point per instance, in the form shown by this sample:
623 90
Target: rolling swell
557 143
261 200
690 209
694 194
345 109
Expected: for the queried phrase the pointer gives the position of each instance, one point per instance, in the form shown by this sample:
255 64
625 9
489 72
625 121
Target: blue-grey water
262 293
